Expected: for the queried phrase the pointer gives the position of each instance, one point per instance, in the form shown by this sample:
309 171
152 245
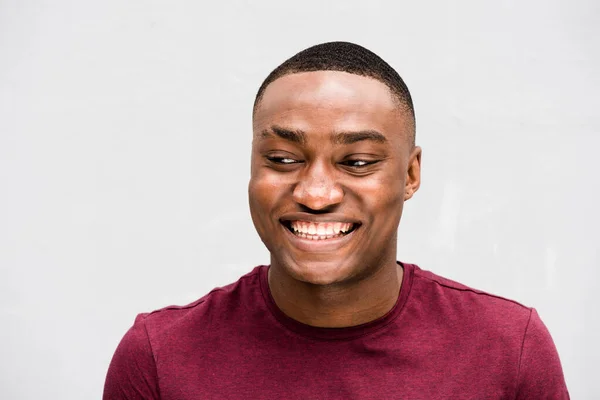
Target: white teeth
319 231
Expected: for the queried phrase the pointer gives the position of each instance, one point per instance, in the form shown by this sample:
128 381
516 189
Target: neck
339 305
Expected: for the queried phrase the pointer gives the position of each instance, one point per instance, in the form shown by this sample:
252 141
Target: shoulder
462 298
471 315
134 368
476 323
192 318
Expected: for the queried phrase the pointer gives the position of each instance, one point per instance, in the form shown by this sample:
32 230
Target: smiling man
335 315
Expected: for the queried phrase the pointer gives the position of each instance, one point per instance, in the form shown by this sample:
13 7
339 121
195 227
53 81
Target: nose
317 188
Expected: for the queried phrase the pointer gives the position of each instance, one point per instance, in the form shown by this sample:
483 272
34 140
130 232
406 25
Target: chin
318 272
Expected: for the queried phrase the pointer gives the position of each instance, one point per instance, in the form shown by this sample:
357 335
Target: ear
413 173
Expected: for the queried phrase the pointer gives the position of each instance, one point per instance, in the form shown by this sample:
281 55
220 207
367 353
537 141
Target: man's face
332 164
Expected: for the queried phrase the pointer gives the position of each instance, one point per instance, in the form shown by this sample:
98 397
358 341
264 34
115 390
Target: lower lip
321 245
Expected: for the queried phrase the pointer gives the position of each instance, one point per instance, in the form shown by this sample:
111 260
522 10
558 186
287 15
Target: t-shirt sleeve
132 371
540 372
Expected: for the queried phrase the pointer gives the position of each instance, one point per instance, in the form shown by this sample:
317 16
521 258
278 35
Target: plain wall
125 155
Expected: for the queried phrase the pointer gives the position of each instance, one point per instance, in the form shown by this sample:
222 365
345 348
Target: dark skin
331 147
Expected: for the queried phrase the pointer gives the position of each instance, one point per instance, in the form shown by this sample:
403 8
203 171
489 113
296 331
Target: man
334 315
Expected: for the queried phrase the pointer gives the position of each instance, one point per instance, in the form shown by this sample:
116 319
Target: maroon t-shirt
442 340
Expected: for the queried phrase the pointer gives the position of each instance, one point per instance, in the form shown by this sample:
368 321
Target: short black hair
344 57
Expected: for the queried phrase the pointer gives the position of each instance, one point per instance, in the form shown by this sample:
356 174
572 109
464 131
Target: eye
358 163
282 160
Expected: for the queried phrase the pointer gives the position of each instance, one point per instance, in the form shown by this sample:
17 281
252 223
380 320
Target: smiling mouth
320 230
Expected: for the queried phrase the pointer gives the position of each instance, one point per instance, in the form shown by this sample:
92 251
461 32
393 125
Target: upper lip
300 216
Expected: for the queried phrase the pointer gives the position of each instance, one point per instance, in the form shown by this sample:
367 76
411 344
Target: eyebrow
298 136
353 137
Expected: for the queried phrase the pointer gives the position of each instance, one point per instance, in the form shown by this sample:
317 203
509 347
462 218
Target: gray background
125 144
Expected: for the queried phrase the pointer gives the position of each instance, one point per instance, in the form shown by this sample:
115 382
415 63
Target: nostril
318 197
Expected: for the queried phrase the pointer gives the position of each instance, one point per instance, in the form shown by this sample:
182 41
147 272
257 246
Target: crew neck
345 333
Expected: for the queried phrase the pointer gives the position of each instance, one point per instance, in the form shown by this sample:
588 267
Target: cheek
382 198
259 204
264 193
382 190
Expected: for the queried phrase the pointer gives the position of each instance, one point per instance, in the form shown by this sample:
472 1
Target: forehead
329 100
